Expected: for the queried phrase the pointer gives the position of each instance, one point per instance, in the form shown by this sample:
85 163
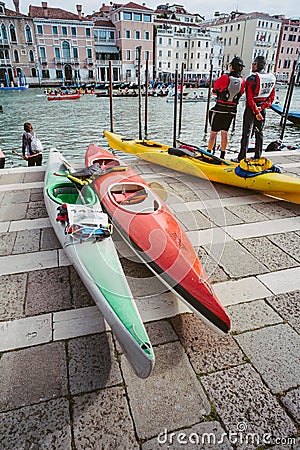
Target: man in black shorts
228 88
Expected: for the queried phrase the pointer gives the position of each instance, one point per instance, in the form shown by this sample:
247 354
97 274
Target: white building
181 38
247 36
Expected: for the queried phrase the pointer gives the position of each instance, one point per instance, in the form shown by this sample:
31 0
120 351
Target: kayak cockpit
107 163
134 197
68 193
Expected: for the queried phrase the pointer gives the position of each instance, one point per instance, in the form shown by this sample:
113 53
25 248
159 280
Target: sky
290 8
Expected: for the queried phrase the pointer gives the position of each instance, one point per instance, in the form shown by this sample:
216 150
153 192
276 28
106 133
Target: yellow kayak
277 185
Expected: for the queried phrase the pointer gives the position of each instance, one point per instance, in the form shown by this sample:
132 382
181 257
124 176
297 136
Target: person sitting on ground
229 89
31 146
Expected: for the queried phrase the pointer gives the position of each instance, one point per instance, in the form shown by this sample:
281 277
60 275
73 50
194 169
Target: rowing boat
149 227
201 165
84 233
51 97
293 116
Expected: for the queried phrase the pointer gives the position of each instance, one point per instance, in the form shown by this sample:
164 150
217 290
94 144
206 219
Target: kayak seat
68 193
136 201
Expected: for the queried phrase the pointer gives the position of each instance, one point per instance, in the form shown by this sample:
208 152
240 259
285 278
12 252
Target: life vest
231 93
265 84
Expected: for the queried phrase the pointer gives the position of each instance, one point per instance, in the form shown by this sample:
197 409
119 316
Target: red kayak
150 228
63 96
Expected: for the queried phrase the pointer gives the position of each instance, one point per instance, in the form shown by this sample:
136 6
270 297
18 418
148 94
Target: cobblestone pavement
65 383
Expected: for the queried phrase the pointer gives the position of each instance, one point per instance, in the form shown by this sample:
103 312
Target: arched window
31 57
16 56
6 54
13 36
3 32
66 52
28 34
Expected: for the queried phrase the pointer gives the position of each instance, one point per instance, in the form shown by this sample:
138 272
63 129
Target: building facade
181 39
65 45
288 50
247 36
17 47
106 50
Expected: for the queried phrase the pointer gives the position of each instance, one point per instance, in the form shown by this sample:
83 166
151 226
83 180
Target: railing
5 62
90 61
66 60
43 60
4 41
104 62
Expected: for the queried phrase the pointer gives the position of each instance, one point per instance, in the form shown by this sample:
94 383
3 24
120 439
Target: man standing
260 94
228 88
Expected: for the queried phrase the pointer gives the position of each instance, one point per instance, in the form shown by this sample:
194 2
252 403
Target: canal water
70 126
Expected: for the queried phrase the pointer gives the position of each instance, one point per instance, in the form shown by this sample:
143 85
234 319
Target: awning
106 49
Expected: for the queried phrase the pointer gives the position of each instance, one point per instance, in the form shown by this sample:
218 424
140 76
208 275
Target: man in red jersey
229 88
260 94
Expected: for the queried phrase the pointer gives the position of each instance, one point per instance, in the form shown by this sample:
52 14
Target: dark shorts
35 160
220 120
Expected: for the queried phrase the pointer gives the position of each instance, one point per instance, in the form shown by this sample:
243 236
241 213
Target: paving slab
36 195
289 242
274 210
35 261
27 241
80 295
172 397
288 306
12 294
92 364
78 322
243 290
292 401
7 241
4 227
194 220
246 213
161 332
222 217
48 290
251 315
49 240
160 306
203 436
36 210
269 254
32 375
42 426
13 212
207 350
25 332
266 228
11 178
282 281
102 420
274 352
236 260
214 272
251 416
211 236
15 197
34 176
30 224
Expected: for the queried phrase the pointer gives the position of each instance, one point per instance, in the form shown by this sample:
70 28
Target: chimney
79 10
16 3
45 8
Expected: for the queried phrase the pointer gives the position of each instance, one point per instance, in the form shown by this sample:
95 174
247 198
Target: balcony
260 43
43 61
104 62
66 60
4 42
90 61
5 62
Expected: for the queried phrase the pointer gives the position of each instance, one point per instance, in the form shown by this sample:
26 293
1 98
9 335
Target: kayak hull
152 231
277 185
99 267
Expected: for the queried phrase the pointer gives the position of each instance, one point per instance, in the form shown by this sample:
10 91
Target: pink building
134 28
288 49
65 45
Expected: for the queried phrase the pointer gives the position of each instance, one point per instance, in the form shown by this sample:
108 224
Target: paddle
85 179
193 154
21 155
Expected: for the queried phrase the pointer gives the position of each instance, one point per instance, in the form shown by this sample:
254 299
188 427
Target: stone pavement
66 385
